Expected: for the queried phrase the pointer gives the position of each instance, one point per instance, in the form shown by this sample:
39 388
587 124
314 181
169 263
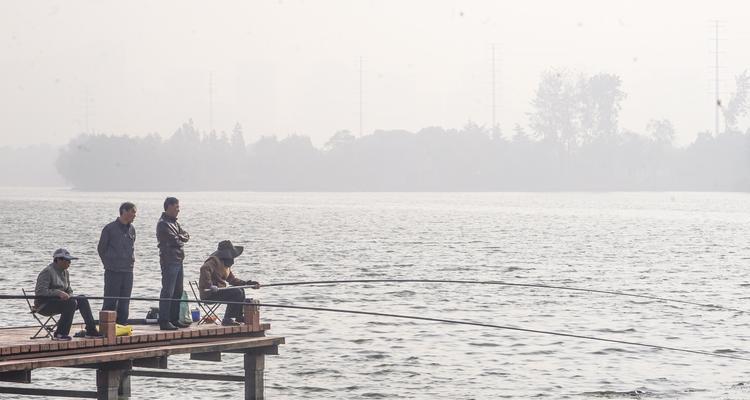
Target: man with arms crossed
171 238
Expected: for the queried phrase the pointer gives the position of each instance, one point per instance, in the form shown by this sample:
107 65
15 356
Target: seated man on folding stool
54 282
216 276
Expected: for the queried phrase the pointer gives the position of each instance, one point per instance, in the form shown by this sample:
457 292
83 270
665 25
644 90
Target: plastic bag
185 316
123 330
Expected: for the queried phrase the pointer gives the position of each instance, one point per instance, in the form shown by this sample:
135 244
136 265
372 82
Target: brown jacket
214 272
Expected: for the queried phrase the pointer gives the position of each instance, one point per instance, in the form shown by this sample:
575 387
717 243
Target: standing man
54 283
171 239
117 251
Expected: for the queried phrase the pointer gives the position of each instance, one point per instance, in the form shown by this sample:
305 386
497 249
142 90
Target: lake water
690 246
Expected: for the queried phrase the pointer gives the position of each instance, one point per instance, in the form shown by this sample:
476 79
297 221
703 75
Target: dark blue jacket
171 238
117 246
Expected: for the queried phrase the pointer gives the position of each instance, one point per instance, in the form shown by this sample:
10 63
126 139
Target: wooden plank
220 345
22 376
187 375
214 356
86 350
152 362
49 392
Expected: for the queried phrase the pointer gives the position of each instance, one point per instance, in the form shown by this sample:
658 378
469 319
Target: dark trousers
235 295
171 288
66 309
118 284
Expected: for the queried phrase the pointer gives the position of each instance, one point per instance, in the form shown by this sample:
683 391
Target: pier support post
108 379
251 312
107 326
254 365
124 389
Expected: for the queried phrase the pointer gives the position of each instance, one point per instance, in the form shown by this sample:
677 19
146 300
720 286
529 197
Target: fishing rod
500 283
413 317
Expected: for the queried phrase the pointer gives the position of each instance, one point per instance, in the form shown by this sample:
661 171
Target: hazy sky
284 67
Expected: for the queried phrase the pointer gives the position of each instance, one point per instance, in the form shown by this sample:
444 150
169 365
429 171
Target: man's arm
166 235
184 236
205 281
234 281
69 289
101 248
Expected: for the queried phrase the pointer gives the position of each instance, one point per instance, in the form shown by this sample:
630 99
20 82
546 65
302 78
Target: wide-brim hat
227 250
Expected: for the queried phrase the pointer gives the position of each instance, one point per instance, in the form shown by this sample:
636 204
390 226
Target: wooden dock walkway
144 353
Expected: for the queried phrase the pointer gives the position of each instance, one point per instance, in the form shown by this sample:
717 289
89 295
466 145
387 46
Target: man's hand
253 284
62 295
214 288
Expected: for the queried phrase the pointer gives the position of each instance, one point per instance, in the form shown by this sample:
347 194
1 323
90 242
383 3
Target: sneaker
240 319
229 322
61 337
93 334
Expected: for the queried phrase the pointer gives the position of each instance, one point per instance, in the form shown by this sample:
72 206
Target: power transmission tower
211 101
361 95
717 78
494 105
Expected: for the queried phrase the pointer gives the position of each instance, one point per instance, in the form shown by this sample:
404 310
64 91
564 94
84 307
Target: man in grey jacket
171 238
117 251
54 282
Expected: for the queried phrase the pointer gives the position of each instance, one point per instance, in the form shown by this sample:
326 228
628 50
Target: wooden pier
144 353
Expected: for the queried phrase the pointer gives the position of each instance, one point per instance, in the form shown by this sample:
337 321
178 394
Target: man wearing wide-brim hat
217 278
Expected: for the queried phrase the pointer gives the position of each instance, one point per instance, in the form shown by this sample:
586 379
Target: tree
738 104
661 131
339 139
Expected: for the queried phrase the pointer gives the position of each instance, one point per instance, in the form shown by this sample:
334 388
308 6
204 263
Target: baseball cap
63 253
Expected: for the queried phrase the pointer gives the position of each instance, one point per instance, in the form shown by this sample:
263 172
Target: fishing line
412 317
503 283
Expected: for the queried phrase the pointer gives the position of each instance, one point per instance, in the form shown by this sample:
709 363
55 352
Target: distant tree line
572 142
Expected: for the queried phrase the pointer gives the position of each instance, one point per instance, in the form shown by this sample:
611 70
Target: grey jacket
171 238
117 246
50 282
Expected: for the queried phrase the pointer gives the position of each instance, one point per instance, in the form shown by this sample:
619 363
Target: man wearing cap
171 238
216 276
54 281
117 251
